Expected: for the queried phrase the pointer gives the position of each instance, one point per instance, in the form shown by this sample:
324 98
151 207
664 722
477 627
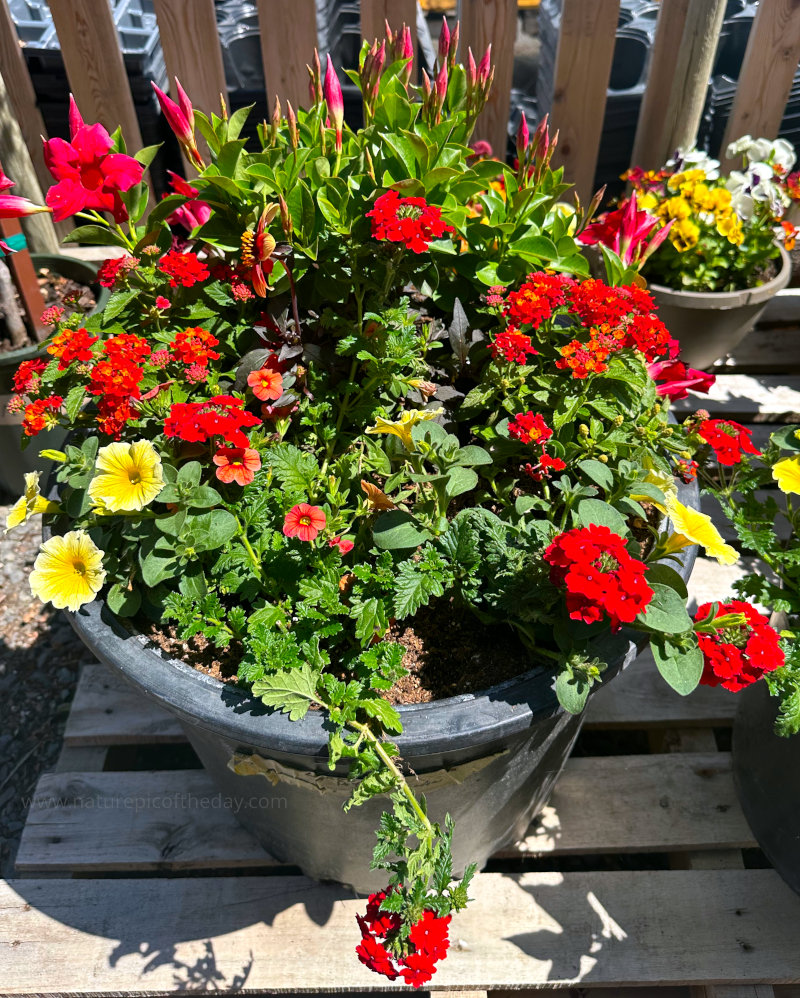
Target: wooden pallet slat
287 27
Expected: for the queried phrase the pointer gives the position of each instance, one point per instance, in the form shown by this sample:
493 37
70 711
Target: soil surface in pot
448 652
54 289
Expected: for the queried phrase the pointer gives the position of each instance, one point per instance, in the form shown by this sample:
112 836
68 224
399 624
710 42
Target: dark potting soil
448 652
54 289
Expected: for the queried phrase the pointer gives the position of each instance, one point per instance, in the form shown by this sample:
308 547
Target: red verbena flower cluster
28 375
735 657
41 415
194 346
71 345
109 270
415 961
600 576
222 416
729 440
535 301
183 269
411 221
515 347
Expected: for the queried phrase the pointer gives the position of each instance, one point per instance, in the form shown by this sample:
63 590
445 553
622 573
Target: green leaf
237 121
667 576
666 611
123 602
680 667
117 303
156 566
291 691
596 511
96 234
572 691
384 712
460 480
371 786
472 455
212 530
534 248
598 472
396 530
74 401
295 469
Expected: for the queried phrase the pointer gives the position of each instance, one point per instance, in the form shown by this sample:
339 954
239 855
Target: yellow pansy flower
29 504
684 235
693 527
787 474
730 226
646 201
129 478
677 208
68 571
403 427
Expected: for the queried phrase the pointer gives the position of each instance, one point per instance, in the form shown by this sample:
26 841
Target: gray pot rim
727 299
460 722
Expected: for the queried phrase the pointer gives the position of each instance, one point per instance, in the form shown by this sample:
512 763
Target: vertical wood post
288 39
95 68
25 280
190 41
768 68
687 95
583 68
485 22
663 61
396 12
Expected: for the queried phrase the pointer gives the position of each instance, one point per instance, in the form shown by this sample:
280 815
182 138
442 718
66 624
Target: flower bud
444 42
583 430
275 121
485 66
286 218
453 51
180 118
334 100
291 119
523 138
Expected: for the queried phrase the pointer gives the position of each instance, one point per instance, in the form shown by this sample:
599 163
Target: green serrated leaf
291 691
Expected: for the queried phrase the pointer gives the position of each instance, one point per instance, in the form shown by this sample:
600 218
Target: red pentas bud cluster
729 440
381 950
410 221
736 656
600 576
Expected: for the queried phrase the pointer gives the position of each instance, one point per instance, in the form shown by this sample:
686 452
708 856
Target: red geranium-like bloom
304 521
237 464
89 175
735 657
410 221
183 269
344 544
535 301
599 575
28 375
546 466
41 415
109 270
115 377
267 382
126 348
529 429
596 302
194 346
729 440
72 344
221 416
587 358
648 335
515 347
162 302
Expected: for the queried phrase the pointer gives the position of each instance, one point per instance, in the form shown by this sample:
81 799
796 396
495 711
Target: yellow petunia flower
29 504
403 427
68 571
787 474
693 527
130 477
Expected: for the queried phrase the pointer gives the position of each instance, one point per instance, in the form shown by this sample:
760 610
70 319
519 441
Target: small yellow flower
730 226
684 235
129 477
677 208
787 474
693 527
68 571
646 201
403 427
31 503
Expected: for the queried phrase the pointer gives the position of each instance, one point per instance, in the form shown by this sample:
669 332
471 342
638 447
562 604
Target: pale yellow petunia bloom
403 427
68 571
29 504
693 527
787 474
129 477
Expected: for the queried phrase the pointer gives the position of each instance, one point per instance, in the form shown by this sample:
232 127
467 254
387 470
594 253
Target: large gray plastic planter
710 324
490 759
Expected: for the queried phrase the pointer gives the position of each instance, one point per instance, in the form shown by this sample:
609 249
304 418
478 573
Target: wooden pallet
134 881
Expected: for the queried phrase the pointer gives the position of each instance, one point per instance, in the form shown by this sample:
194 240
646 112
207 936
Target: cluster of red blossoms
41 414
600 576
428 943
735 657
729 440
532 429
222 416
194 346
109 270
183 269
410 221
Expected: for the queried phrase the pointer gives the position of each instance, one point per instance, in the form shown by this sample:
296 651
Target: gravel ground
39 662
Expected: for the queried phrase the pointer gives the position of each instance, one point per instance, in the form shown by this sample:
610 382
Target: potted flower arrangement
372 455
724 255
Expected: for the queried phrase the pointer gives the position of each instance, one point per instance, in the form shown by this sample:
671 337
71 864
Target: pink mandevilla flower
627 231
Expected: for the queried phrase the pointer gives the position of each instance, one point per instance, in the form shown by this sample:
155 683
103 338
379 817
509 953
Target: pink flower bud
453 51
441 86
185 104
333 98
291 120
75 118
12 206
180 118
483 68
472 72
426 86
444 41
523 137
406 52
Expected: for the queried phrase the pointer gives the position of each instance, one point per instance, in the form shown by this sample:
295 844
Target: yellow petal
693 527
129 477
787 474
30 504
68 571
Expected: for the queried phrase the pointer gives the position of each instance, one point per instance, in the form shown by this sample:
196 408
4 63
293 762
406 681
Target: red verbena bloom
70 345
529 429
304 521
52 315
267 382
88 174
27 377
109 270
584 359
675 379
222 416
535 301
735 657
183 269
599 575
126 348
236 464
410 221
546 466
194 346
729 440
162 302
344 544
515 347
41 415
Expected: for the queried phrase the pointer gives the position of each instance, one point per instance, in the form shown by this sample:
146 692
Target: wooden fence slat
94 64
494 22
27 284
647 151
583 69
288 39
396 12
768 68
189 38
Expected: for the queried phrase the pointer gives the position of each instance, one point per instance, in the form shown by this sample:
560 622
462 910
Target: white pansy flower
739 147
694 159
